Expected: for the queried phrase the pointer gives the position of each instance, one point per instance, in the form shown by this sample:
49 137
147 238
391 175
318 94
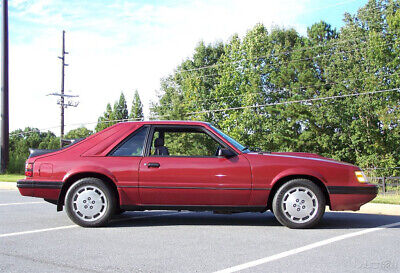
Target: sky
127 45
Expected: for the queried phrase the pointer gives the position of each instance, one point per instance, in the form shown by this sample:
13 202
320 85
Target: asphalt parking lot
36 238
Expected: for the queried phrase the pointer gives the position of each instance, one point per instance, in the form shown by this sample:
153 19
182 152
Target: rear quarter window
132 145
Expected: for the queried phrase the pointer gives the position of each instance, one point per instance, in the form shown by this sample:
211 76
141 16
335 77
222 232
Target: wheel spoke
299 204
89 203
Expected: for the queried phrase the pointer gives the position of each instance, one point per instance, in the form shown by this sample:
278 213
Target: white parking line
73 226
22 203
35 231
304 248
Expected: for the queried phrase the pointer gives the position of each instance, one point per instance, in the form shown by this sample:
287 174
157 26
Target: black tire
119 211
89 202
299 203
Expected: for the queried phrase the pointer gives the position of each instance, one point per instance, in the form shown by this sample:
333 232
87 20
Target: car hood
299 155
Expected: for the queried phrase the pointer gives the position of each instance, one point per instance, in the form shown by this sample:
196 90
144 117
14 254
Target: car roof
167 122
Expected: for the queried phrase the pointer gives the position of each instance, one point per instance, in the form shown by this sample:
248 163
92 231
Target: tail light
29 169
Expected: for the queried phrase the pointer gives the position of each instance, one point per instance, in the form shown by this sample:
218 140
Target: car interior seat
160 149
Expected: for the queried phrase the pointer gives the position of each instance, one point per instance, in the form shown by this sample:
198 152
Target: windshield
232 141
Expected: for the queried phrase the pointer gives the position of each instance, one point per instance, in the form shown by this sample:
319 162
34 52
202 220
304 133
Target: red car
182 165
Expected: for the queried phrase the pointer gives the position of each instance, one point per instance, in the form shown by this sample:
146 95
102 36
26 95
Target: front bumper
351 197
353 190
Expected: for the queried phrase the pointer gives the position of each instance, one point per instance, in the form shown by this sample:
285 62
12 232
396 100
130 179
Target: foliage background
275 67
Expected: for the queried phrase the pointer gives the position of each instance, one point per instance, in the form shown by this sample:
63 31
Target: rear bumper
351 197
42 189
39 184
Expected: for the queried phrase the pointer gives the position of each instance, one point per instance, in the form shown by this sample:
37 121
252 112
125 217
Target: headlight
361 177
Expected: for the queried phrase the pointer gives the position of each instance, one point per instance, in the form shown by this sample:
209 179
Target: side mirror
226 153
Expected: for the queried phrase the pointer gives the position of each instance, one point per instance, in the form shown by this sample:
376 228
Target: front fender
298 172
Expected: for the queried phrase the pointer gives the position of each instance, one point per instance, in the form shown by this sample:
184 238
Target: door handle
153 165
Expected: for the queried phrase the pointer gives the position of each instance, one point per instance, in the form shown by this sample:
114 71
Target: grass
11 177
387 199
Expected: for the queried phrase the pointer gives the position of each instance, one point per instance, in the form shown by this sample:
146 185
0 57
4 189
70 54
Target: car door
123 161
186 170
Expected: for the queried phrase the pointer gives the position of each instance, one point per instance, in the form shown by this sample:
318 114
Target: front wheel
89 202
299 203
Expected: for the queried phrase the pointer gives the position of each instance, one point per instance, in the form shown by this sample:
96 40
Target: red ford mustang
181 165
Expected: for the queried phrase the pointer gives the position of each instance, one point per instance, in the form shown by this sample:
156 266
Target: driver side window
191 142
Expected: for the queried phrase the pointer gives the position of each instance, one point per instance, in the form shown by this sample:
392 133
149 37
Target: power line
294 101
382 168
107 121
23 133
331 6
329 45
292 88
279 54
270 104
228 109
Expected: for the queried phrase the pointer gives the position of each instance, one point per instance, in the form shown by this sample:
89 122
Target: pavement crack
46 262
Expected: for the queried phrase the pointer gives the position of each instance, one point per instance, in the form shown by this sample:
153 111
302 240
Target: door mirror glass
226 153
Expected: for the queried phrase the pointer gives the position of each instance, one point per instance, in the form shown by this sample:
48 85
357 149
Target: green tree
120 110
190 88
22 140
113 115
137 108
243 86
81 132
106 119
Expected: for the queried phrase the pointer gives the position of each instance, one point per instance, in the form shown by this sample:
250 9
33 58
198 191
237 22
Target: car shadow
331 220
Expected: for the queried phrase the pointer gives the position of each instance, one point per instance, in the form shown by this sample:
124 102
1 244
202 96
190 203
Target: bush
16 165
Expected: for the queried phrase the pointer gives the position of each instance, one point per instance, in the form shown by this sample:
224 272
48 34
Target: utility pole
4 92
62 87
62 96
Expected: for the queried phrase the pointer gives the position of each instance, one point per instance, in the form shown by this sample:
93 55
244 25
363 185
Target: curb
8 185
376 208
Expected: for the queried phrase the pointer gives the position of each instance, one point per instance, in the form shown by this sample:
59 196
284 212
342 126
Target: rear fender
85 171
89 169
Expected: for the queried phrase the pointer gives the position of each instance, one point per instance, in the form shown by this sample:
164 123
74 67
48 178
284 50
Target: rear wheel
89 202
119 211
299 203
